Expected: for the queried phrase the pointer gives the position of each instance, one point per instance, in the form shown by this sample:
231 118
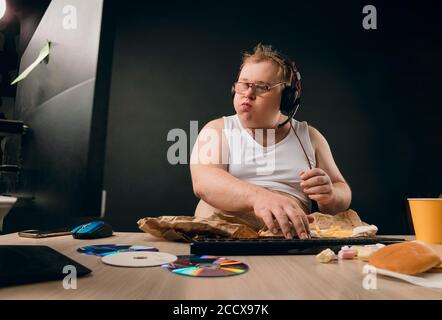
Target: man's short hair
267 53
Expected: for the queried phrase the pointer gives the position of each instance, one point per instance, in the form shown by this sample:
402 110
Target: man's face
259 111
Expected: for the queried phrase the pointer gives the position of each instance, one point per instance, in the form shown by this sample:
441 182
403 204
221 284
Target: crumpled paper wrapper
346 220
186 228
223 225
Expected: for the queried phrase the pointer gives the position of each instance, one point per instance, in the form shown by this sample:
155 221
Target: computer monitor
63 102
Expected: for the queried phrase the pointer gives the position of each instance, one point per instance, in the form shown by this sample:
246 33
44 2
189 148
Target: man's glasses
259 89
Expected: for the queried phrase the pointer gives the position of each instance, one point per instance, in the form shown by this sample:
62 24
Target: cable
302 146
290 116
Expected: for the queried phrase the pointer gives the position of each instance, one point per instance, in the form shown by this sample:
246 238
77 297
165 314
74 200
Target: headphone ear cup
287 103
283 106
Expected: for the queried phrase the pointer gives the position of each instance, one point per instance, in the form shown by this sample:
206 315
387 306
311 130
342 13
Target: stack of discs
206 266
108 249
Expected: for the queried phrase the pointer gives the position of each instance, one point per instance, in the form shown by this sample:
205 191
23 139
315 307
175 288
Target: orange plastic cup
427 219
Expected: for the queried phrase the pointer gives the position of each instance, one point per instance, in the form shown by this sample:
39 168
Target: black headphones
291 94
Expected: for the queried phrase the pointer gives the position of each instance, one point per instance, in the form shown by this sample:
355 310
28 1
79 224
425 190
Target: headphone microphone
290 116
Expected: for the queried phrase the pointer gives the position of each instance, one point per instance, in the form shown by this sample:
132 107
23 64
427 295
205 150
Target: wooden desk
269 277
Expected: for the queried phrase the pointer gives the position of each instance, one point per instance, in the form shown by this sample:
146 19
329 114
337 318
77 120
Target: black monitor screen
63 101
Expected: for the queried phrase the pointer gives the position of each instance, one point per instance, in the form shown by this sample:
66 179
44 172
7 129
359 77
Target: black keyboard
278 246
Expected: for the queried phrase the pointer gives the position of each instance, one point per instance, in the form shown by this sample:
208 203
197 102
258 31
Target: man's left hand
317 185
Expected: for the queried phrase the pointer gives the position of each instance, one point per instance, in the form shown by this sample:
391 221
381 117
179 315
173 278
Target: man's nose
250 92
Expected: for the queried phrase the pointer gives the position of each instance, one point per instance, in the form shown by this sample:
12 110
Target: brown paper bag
185 228
224 225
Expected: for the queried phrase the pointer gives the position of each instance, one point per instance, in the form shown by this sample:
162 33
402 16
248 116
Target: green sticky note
44 52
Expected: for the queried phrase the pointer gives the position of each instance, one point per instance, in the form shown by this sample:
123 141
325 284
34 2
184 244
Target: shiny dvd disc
206 266
107 249
138 259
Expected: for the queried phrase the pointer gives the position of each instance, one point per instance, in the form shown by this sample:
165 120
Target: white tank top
275 167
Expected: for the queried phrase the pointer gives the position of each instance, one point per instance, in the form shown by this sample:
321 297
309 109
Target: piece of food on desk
326 256
347 253
407 257
364 252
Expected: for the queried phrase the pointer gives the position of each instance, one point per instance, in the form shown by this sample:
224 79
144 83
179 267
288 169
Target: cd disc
206 266
138 259
107 249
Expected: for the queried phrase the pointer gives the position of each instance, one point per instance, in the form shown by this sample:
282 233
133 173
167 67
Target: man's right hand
270 206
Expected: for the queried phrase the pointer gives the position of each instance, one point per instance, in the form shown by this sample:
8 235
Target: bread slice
406 257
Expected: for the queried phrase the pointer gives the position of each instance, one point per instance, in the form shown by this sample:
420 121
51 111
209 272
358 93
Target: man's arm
222 190
210 179
341 199
325 184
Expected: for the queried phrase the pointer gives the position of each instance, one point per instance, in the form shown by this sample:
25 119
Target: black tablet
20 264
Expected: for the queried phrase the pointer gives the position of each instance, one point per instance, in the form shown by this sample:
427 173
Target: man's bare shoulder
316 137
217 124
211 147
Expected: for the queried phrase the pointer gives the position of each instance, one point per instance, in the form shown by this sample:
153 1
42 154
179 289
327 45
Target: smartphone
44 233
